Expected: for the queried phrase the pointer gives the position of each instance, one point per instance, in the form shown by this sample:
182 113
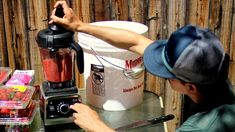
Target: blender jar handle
80 56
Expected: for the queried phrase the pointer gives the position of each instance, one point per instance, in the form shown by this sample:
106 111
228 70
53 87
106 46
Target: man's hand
88 119
70 21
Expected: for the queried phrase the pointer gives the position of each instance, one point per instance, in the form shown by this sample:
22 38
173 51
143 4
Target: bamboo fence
20 20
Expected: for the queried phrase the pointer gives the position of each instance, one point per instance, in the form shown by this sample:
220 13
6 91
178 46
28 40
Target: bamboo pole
8 21
3 47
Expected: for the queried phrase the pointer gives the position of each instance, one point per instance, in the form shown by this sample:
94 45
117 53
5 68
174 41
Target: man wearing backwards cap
193 61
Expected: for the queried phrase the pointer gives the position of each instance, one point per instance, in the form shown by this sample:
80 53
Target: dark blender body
58 51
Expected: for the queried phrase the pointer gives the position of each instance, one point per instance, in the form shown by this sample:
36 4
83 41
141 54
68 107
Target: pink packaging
21 77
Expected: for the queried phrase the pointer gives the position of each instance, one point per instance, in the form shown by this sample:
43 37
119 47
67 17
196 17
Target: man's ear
191 88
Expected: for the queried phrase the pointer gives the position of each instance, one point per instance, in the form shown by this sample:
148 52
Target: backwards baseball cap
191 54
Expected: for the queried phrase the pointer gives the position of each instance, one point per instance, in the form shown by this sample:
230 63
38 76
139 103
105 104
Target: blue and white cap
191 54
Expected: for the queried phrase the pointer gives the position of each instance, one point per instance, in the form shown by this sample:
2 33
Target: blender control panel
59 107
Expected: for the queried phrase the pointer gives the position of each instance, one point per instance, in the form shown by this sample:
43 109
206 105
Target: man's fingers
75 115
72 107
62 3
75 106
57 19
53 11
52 14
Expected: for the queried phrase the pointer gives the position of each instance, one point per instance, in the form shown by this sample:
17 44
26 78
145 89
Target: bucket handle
134 73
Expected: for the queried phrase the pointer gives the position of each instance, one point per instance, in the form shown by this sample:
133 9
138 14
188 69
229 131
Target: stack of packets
17 104
17 109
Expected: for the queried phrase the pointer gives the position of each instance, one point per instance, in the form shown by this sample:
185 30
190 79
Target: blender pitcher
58 49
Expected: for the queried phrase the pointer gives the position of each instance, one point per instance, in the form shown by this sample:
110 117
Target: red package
4 74
15 97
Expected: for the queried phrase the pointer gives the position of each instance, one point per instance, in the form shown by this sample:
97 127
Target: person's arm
120 38
88 119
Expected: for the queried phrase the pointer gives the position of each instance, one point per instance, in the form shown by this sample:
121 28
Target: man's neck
196 97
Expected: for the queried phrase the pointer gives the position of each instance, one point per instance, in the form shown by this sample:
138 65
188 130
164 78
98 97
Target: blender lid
55 36
48 38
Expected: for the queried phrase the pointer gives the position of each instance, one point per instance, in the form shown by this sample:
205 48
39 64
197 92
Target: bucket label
130 64
97 74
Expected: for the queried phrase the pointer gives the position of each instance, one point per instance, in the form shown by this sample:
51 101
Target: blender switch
52 108
64 108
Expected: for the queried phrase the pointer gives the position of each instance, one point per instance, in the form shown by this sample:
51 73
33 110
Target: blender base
54 107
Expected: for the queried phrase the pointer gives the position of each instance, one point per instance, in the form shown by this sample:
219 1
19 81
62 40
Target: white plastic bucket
106 82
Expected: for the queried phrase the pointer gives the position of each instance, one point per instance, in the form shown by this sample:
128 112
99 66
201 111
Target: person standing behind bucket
192 60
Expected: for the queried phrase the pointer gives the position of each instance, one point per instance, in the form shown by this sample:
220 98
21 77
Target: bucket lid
86 40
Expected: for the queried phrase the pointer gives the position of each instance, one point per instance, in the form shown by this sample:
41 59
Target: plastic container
21 119
16 128
114 77
18 116
4 74
21 77
15 97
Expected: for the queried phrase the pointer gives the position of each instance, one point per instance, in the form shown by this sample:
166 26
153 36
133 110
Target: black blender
58 51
